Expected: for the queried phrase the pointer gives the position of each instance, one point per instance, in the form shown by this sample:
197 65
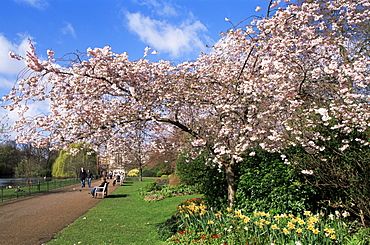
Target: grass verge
121 218
36 187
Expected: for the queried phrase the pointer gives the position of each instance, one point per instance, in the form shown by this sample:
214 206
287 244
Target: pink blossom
308 172
258 8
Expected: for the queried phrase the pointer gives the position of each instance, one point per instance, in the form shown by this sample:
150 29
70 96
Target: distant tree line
23 160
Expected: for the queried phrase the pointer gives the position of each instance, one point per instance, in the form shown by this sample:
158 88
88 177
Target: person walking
89 177
82 177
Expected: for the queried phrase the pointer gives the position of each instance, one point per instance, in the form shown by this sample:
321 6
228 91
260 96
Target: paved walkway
34 220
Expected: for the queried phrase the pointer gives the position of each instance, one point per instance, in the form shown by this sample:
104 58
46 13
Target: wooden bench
101 191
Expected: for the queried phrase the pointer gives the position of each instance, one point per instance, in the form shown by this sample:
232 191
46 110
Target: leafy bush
260 180
204 178
133 173
266 182
153 191
340 173
360 237
168 228
5 170
149 173
150 186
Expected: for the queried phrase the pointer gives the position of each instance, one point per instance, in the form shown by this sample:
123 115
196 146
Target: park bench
101 191
119 179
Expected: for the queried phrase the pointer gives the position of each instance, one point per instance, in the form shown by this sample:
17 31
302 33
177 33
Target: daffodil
315 231
275 227
301 222
329 230
246 220
277 217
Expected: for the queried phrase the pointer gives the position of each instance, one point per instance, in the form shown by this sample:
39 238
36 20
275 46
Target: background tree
166 146
133 145
10 156
69 162
34 161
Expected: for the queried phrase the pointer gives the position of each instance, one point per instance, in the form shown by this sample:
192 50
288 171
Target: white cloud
10 71
9 66
161 8
165 37
68 29
39 4
35 109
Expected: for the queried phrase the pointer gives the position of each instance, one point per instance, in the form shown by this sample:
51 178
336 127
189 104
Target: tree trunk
230 178
140 172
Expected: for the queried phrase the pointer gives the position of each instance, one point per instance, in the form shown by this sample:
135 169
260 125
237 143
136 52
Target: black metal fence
23 187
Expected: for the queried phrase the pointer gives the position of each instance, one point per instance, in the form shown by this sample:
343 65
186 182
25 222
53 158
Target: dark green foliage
24 160
192 171
45 172
151 186
149 173
267 183
168 228
5 170
208 180
342 176
215 188
10 156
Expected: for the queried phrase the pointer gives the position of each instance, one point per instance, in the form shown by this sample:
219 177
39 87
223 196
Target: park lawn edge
122 218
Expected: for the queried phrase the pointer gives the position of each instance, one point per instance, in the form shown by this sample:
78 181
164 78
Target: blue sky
178 30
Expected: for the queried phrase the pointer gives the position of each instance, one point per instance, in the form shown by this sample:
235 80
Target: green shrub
168 228
149 173
267 183
360 237
206 179
5 170
155 192
341 174
150 186
133 173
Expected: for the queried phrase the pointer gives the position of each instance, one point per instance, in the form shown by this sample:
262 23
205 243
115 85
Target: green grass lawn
121 218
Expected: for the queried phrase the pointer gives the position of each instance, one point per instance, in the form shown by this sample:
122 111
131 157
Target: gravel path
34 220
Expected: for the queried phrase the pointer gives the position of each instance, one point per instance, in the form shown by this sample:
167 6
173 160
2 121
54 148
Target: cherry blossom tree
133 146
264 86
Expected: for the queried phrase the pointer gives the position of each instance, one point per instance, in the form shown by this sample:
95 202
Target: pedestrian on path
89 177
82 177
